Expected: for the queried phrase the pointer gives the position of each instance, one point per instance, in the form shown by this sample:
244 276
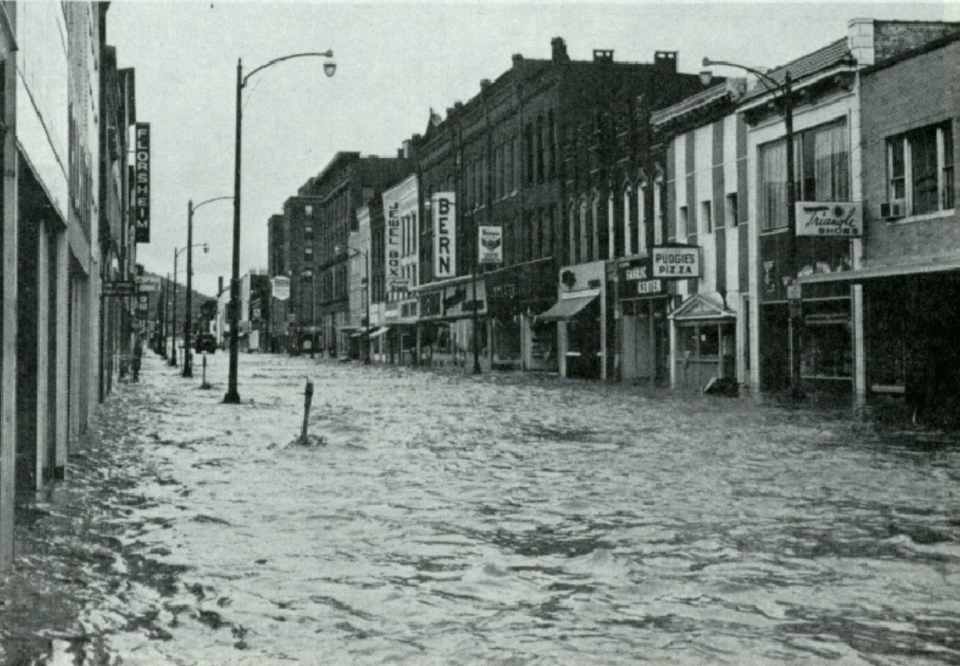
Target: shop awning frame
380 331
569 306
883 271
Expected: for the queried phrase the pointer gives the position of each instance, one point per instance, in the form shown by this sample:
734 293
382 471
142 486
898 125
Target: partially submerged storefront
580 315
703 340
644 329
450 313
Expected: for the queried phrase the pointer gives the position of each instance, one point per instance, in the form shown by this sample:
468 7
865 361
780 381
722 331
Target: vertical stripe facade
743 197
718 199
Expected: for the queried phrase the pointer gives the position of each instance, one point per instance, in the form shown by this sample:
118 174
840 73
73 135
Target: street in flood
434 517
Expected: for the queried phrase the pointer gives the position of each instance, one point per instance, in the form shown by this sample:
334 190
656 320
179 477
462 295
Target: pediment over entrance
703 306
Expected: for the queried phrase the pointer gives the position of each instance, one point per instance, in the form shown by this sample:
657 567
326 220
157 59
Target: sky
395 61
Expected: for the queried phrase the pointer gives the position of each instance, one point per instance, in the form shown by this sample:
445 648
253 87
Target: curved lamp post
232 396
366 264
188 324
173 331
783 93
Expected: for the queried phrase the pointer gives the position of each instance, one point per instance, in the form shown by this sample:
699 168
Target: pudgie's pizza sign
678 262
829 219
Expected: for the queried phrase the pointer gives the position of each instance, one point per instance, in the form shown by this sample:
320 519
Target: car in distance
206 342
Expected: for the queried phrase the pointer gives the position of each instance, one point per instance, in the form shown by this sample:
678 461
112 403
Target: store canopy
357 334
567 308
379 332
709 305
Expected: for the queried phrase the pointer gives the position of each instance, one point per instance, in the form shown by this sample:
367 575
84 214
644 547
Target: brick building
544 137
319 220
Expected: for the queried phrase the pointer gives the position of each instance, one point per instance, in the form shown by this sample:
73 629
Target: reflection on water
493 520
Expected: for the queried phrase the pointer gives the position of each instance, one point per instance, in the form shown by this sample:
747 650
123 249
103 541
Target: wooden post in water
307 399
205 385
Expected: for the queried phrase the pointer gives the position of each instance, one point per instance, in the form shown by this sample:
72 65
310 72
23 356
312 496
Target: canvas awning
379 332
567 308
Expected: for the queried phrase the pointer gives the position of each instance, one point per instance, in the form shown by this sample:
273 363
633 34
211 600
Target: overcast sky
394 62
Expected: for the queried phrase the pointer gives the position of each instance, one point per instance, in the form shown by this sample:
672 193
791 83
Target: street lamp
188 327
785 99
366 266
232 396
173 332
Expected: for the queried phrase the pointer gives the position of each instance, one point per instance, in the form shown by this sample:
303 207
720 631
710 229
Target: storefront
580 315
703 340
644 329
449 313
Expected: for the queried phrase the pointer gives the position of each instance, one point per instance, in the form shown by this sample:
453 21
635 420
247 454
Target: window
308 254
682 220
920 168
308 209
706 216
308 232
821 172
732 212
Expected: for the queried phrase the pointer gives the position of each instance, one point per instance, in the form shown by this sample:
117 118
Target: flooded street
440 518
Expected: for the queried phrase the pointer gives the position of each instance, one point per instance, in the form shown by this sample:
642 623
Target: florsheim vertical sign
141 183
444 206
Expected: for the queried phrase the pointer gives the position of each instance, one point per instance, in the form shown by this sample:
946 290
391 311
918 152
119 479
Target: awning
357 334
882 271
566 308
379 332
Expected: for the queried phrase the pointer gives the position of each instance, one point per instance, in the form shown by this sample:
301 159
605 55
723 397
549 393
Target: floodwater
441 518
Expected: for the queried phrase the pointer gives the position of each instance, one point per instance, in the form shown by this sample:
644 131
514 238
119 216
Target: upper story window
308 232
821 171
706 216
920 169
308 210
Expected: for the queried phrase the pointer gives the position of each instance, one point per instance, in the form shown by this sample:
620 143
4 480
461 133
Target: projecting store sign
676 262
829 219
281 288
491 245
395 281
444 206
141 183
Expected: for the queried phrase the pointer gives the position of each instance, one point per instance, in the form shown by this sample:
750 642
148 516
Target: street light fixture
232 396
188 324
173 332
783 93
366 265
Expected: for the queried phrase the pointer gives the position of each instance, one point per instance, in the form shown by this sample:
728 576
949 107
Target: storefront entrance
645 348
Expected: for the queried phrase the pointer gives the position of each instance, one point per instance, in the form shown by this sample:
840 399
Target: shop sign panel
148 284
636 281
141 183
393 244
837 219
676 262
582 276
444 206
281 288
490 244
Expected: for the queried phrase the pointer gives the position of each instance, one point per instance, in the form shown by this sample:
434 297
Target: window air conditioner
893 209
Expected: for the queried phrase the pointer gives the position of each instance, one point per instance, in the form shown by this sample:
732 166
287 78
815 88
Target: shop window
821 172
827 351
920 169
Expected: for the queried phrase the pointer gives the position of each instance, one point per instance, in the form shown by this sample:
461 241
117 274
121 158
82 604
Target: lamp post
232 396
188 325
366 273
173 332
785 99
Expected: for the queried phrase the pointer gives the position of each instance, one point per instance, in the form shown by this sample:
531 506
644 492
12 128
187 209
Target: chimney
405 152
603 55
666 61
559 51
484 84
860 40
517 59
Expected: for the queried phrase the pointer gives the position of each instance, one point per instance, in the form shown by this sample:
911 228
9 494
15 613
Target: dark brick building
527 154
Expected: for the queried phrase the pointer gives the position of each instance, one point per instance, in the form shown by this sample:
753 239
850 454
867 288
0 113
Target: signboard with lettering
833 218
120 288
148 284
141 183
490 244
676 262
393 245
281 288
444 207
636 280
